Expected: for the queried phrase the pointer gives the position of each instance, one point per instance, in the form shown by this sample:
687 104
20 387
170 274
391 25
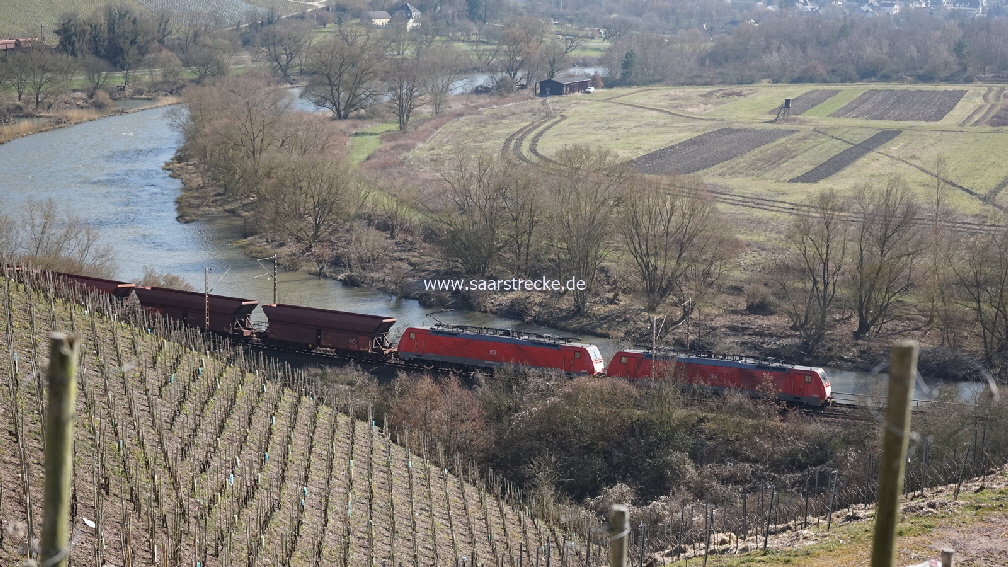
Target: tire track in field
972 120
516 148
509 141
993 193
995 105
725 197
534 143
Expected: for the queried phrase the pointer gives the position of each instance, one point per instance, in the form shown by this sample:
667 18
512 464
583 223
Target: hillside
191 452
26 18
838 136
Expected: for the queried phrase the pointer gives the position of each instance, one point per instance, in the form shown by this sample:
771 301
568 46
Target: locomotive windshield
822 374
596 356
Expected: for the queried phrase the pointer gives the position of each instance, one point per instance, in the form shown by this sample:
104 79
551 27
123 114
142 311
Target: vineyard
27 18
193 452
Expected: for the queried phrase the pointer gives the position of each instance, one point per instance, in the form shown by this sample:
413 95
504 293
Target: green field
636 121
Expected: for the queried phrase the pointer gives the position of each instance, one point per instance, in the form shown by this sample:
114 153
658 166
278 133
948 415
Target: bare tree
672 230
208 57
284 42
231 126
808 276
520 43
96 72
469 212
942 308
585 186
403 83
54 239
886 243
441 67
526 211
154 278
310 200
39 72
983 276
345 69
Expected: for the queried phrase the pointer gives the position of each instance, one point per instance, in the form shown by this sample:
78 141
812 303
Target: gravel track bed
845 158
893 104
707 150
807 101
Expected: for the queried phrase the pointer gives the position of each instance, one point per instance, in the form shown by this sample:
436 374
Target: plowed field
845 158
807 101
707 150
893 104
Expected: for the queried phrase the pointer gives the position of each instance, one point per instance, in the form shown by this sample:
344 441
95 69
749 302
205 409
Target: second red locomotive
794 384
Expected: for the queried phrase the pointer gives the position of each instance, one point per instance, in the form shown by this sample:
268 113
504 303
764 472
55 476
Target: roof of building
379 15
568 79
408 9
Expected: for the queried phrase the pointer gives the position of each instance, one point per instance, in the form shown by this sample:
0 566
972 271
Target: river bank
27 125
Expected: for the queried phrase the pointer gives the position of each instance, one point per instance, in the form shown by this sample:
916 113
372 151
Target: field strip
663 111
962 188
807 101
995 104
845 158
534 142
707 150
971 120
902 105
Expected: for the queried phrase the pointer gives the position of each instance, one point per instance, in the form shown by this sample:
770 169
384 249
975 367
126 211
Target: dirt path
995 103
971 120
534 143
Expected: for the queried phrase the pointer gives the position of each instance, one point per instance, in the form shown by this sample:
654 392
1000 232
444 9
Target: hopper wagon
469 347
228 315
120 290
800 385
309 327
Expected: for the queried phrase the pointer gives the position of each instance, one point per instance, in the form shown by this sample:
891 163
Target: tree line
816 49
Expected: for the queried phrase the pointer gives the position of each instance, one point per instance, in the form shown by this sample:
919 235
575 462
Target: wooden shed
563 85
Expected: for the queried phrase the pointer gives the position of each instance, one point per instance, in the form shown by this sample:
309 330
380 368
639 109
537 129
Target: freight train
357 335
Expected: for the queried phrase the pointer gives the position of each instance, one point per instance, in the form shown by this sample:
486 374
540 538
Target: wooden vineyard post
619 527
60 417
895 439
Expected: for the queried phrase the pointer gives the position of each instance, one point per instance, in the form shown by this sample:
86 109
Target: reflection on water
851 386
109 172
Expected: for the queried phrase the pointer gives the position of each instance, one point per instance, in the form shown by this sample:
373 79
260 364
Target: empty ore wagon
228 315
311 328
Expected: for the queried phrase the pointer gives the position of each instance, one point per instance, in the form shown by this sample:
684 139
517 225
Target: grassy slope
19 18
200 417
974 526
635 121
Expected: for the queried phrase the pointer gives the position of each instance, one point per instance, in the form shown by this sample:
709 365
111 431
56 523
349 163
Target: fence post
60 417
946 557
619 528
895 438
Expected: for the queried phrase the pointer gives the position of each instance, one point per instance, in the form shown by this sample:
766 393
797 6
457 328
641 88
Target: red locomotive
794 384
490 348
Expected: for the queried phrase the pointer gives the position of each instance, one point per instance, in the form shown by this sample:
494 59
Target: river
109 172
